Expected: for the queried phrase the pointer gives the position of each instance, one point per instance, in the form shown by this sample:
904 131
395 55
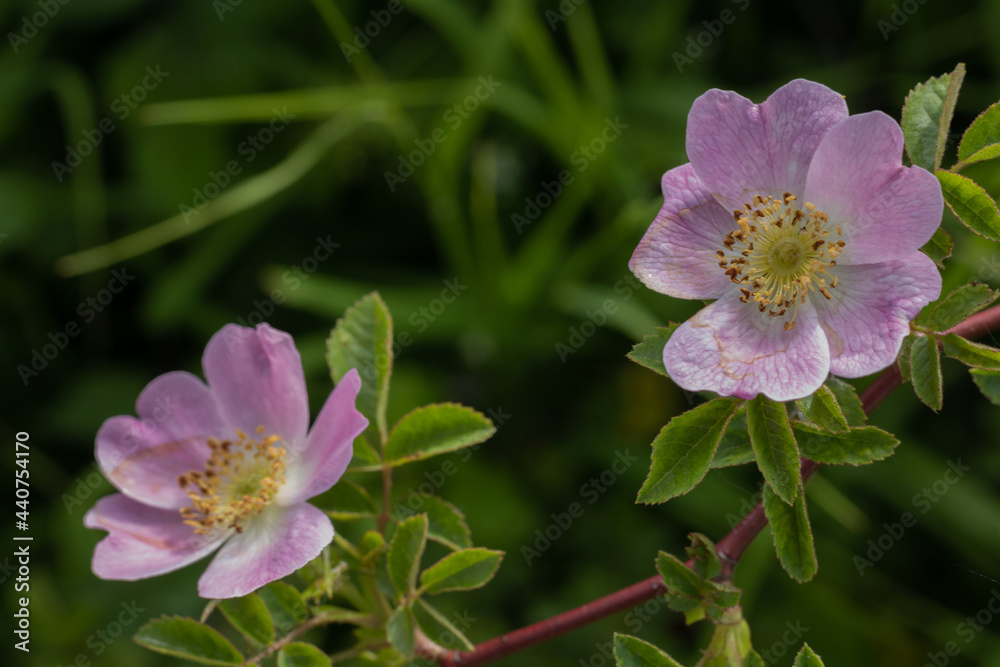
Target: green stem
237 199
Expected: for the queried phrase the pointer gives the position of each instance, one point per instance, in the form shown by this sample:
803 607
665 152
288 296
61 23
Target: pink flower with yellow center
803 225
225 466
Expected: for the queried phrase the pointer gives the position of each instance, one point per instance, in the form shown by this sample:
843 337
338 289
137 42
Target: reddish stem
731 547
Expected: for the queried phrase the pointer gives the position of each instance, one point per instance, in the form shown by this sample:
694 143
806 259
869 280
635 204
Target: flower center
240 479
780 253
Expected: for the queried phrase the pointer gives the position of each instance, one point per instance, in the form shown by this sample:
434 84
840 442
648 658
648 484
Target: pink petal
677 254
276 543
144 541
257 377
733 349
740 149
886 211
143 456
150 475
329 446
869 314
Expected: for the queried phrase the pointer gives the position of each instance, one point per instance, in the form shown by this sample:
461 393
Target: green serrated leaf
678 577
346 501
903 358
405 552
982 140
847 398
793 540
925 370
633 652
822 409
970 203
188 639
951 309
972 354
649 352
683 451
939 247
734 448
250 617
807 658
446 523
437 626
300 654
988 383
285 604
859 446
436 429
399 630
947 112
927 117
705 556
461 571
774 445
362 339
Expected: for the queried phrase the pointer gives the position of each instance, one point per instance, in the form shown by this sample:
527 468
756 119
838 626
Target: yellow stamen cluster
780 253
240 479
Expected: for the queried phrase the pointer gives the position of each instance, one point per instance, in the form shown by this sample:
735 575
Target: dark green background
495 346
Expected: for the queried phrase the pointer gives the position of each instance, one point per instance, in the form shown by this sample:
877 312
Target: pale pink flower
803 225
228 465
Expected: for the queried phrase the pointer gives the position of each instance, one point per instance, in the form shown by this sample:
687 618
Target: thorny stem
730 547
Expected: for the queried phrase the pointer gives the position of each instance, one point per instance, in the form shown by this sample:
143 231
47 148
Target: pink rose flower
228 466
803 225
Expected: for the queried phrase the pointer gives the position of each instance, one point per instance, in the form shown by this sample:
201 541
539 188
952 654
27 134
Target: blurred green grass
527 289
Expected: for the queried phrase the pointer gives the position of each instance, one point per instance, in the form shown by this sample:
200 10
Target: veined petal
172 408
276 543
886 211
257 377
144 465
733 349
144 541
329 446
677 254
740 149
869 313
